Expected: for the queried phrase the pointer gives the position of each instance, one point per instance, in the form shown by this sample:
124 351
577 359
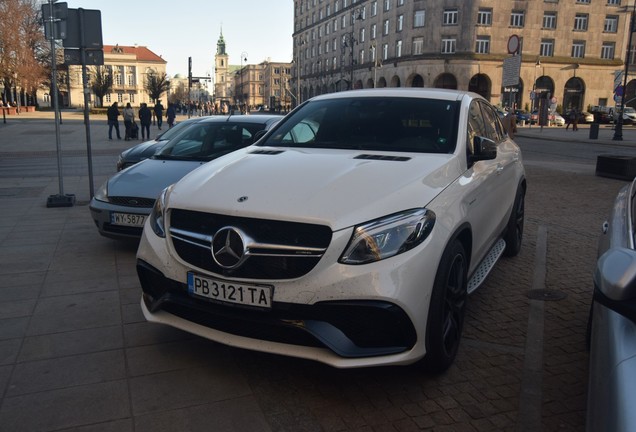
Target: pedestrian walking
145 117
575 119
159 113
129 118
112 113
171 113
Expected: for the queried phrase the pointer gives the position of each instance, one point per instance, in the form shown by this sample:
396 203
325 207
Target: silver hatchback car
612 324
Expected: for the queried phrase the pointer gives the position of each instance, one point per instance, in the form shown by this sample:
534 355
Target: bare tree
102 83
23 46
156 85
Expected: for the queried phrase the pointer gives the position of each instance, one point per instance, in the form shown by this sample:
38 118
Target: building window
607 50
549 20
611 24
580 22
398 48
517 18
400 2
130 79
614 2
547 48
484 17
483 45
132 98
418 18
374 31
400 23
386 27
418 45
578 49
362 34
583 1
387 5
385 51
374 8
120 97
448 46
450 17
107 98
361 56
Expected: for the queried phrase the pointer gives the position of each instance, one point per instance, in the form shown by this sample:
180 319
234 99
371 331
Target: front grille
192 233
132 201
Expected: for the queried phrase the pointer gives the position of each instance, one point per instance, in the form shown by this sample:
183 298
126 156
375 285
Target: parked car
522 116
602 114
612 324
122 204
629 115
534 117
557 119
351 234
144 150
582 116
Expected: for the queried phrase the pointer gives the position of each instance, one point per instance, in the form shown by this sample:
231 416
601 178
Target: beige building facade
569 51
129 66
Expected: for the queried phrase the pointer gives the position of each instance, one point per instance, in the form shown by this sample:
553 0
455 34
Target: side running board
486 265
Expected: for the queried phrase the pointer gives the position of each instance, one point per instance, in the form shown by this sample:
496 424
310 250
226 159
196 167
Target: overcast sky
177 29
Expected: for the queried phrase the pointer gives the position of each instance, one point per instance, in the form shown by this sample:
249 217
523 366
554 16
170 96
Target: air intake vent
383 157
267 152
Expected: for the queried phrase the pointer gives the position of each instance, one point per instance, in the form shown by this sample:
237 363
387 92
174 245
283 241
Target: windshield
209 140
372 123
174 130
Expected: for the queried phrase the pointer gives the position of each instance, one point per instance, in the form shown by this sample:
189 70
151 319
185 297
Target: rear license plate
230 292
127 219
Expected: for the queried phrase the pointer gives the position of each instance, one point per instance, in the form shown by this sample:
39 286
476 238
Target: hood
331 187
143 150
149 177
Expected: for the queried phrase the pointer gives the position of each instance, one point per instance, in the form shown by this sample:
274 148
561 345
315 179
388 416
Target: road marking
530 400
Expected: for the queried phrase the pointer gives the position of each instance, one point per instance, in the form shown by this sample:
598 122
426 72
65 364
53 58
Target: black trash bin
594 131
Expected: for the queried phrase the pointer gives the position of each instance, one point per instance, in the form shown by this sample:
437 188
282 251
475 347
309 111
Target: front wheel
447 309
514 230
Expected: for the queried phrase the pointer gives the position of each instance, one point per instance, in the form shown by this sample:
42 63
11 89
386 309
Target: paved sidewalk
77 355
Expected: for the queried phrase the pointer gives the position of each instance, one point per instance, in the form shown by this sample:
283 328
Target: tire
447 309
514 229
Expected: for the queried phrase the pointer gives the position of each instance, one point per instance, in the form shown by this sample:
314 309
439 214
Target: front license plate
231 292
127 219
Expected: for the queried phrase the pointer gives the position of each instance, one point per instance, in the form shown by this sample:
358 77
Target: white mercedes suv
350 234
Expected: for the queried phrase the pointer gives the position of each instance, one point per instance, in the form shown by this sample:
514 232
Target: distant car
602 114
629 115
122 204
142 151
350 234
557 119
582 117
534 117
522 116
612 324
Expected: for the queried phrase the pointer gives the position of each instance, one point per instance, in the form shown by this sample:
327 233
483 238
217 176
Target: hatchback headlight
388 236
101 194
158 214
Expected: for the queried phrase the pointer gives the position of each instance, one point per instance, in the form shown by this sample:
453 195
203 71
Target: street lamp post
17 95
618 130
243 58
301 42
350 41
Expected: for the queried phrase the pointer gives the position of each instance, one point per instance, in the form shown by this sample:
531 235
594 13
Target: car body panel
612 367
340 188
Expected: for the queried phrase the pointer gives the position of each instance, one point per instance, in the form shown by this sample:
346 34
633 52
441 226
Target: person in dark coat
159 113
171 113
112 114
145 117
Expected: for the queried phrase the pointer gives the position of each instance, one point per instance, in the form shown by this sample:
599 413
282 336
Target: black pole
618 130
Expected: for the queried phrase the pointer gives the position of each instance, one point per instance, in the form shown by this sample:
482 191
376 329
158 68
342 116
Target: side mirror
615 281
483 149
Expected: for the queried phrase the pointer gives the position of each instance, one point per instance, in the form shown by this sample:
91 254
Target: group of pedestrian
145 118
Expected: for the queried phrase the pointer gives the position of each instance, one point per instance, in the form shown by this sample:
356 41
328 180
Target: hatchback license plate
128 219
231 292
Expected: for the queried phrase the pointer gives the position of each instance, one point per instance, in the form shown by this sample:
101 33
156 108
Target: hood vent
267 152
383 157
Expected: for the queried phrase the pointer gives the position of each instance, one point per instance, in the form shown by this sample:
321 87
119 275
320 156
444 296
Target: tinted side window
494 129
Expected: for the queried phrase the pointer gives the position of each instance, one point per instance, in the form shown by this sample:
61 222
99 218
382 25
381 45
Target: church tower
221 73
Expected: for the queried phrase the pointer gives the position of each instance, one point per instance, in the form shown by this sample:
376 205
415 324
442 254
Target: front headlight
158 214
101 194
388 236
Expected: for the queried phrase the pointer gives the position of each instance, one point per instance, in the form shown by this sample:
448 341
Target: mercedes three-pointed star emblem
228 247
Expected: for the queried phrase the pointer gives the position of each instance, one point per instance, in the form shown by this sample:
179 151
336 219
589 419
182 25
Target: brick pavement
76 353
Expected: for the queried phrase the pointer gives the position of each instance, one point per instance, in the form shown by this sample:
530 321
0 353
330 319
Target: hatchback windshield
369 123
208 140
